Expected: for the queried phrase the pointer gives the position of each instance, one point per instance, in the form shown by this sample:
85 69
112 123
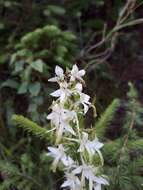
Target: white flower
59 75
63 93
59 155
77 74
72 182
100 181
90 146
95 145
88 171
61 117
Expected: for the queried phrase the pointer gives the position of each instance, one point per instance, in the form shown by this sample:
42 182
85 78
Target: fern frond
30 126
106 118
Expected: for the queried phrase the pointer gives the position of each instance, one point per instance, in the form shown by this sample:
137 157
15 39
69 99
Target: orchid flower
59 155
60 119
59 75
72 182
88 171
90 146
63 93
77 74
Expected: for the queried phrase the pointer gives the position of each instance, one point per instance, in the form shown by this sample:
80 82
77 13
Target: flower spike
74 151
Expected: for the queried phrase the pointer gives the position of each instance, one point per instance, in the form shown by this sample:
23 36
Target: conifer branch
130 128
30 126
106 118
14 177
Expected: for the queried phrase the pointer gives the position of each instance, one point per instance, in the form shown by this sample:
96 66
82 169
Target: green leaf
47 12
10 83
27 73
58 10
35 88
23 88
39 100
61 50
38 65
67 35
7 4
25 158
51 31
13 58
99 3
3 58
19 66
32 107
2 26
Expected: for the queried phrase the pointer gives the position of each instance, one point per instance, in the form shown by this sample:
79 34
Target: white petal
77 170
63 97
66 184
50 116
71 115
82 72
81 148
57 93
54 79
98 145
85 108
64 160
67 161
69 129
85 136
74 69
72 79
86 98
97 187
101 180
53 150
78 87
70 161
59 71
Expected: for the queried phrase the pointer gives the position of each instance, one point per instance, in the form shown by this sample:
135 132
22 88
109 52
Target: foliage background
35 35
